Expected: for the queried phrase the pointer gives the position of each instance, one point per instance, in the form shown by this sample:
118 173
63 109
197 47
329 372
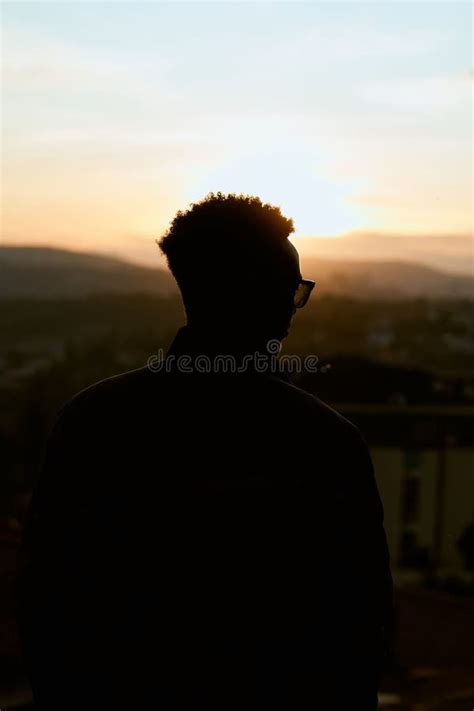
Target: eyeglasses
303 292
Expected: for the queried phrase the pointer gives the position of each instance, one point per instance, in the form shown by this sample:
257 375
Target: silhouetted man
205 534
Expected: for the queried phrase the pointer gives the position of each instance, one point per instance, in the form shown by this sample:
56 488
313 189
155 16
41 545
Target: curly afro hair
223 231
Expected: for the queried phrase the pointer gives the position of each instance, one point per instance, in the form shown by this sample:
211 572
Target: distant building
424 464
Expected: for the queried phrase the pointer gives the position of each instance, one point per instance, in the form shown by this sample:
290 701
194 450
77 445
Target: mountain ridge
49 272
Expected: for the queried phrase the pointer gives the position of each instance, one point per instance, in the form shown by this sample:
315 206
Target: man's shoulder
131 391
116 391
312 404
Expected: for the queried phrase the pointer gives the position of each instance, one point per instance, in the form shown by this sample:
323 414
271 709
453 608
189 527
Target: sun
319 205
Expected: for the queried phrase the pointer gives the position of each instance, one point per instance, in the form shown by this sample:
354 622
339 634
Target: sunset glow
350 116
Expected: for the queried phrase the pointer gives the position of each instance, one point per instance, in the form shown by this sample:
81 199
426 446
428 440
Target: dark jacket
207 541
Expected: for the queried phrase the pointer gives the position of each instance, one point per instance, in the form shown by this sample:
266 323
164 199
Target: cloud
440 93
39 61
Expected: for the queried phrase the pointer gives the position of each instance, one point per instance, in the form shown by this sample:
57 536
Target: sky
354 117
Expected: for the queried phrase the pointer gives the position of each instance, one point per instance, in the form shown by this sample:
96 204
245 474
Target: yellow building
424 464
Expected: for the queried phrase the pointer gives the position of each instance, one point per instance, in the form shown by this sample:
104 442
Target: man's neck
208 351
218 340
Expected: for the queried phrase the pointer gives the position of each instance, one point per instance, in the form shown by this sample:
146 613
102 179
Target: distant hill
385 279
44 272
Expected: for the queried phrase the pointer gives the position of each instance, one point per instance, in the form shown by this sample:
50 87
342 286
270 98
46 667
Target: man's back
207 541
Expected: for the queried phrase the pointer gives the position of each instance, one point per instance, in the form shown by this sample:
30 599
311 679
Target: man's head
235 267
